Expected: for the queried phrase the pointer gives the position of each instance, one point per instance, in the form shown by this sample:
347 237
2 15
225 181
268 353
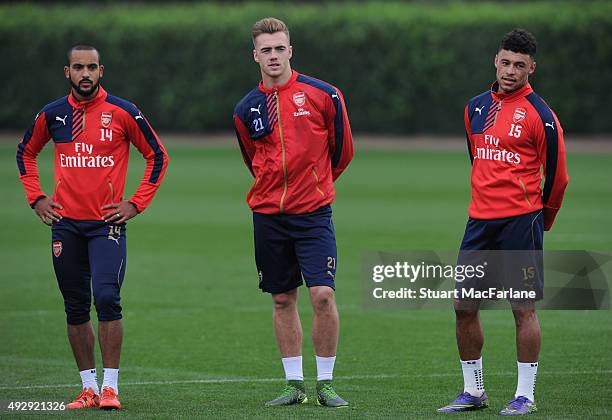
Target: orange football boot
87 398
109 400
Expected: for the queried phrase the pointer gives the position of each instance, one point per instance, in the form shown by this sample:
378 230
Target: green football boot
327 396
293 393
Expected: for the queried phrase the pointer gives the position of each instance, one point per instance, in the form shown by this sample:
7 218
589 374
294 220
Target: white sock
293 368
325 367
527 373
89 379
473 381
111 378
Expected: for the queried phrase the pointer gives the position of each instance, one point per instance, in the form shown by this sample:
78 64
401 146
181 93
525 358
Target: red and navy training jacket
92 145
296 141
513 140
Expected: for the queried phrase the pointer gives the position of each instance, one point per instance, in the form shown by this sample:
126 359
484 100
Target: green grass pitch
198 333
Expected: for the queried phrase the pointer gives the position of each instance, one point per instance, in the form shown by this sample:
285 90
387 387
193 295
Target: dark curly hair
520 41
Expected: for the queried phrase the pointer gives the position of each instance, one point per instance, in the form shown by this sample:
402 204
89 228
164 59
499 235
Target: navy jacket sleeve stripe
245 155
338 131
552 141
21 148
469 147
147 132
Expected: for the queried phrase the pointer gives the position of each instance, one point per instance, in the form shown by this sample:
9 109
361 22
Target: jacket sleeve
340 137
551 152
247 148
27 150
468 133
142 135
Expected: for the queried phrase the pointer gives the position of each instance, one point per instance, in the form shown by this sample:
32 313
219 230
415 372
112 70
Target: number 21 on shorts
331 263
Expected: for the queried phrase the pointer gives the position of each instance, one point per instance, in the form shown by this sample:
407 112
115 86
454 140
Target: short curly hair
520 41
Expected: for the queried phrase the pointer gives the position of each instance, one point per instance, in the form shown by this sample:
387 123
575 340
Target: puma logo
551 125
479 110
112 238
63 120
256 109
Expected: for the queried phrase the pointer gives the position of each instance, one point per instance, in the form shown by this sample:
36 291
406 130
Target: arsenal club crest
57 248
299 98
106 119
519 115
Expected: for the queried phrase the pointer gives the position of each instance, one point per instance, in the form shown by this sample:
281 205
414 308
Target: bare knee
524 316
466 315
466 311
285 301
322 299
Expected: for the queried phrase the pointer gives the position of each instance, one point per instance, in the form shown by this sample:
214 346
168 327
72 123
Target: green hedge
404 68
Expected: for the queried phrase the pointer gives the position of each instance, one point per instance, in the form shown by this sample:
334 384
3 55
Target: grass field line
277 379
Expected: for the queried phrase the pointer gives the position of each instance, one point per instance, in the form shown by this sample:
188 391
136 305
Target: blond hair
269 25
